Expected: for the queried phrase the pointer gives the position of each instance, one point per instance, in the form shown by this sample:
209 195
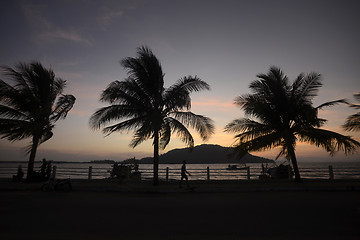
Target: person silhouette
43 169
183 175
48 170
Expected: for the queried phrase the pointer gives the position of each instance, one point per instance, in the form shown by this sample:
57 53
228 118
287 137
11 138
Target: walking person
183 175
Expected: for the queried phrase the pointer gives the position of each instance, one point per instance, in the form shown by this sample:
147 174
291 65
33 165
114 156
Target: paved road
114 215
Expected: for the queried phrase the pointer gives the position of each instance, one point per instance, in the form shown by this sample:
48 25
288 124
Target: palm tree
353 121
142 104
280 113
31 105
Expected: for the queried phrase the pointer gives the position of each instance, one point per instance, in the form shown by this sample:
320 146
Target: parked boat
235 167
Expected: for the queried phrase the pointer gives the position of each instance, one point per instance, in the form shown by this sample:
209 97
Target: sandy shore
217 210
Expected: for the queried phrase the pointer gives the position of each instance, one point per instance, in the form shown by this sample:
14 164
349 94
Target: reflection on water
343 170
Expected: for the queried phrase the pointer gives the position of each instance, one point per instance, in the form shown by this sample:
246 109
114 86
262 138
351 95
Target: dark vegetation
31 102
141 103
278 113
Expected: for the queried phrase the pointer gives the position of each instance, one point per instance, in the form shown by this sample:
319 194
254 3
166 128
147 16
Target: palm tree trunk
291 152
156 158
30 168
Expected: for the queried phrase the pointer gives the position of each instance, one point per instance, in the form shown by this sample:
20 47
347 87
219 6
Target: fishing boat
235 167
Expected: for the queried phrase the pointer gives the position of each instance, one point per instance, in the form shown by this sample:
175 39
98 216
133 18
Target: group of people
42 175
123 171
45 169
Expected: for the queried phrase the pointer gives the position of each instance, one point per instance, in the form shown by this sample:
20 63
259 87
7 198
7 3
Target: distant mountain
205 153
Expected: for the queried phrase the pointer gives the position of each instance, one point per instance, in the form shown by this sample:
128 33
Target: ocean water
342 170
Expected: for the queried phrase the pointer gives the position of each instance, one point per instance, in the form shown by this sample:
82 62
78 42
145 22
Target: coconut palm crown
353 121
30 106
279 114
142 104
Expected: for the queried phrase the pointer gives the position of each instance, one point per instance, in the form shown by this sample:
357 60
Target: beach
216 210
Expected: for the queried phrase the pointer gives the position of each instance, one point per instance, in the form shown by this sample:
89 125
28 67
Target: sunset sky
225 43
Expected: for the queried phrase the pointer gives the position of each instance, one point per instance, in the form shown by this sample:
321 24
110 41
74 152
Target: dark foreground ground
179 214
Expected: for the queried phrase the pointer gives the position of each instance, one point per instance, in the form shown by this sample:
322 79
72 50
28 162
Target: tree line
278 112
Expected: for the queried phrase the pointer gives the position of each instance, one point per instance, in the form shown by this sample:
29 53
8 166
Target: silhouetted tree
143 104
353 121
31 105
280 113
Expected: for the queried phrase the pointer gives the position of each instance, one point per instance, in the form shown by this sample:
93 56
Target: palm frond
58 86
203 125
177 96
243 125
62 107
248 128
191 84
7 112
332 142
125 92
352 122
356 106
261 143
332 103
18 75
181 131
106 115
46 136
15 98
310 86
15 129
141 134
127 125
357 97
146 70
165 134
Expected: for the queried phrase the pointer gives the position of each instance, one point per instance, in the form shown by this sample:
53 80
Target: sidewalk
111 185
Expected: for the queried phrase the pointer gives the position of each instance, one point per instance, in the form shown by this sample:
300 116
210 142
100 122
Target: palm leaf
165 134
310 86
127 125
331 103
181 131
352 122
260 143
106 115
328 140
203 125
62 107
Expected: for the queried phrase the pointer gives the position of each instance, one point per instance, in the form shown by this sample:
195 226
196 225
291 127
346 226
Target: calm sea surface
342 170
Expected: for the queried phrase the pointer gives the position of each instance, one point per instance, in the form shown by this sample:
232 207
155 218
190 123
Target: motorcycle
53 185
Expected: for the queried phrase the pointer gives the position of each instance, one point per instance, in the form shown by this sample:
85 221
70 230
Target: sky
225 43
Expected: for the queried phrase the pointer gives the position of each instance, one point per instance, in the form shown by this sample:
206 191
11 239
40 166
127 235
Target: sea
319 170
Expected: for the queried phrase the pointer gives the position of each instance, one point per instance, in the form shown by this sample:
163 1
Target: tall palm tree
353 121
30 106
280 113
142 104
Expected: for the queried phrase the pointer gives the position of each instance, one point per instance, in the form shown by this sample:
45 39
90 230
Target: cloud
34 16
109 16
214 105
64 35
79 113
38 18
112 10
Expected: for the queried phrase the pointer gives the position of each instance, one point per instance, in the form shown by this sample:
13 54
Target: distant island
202 154
103 161
205 154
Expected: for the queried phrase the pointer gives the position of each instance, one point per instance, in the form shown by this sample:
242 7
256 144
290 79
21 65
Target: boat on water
235 167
